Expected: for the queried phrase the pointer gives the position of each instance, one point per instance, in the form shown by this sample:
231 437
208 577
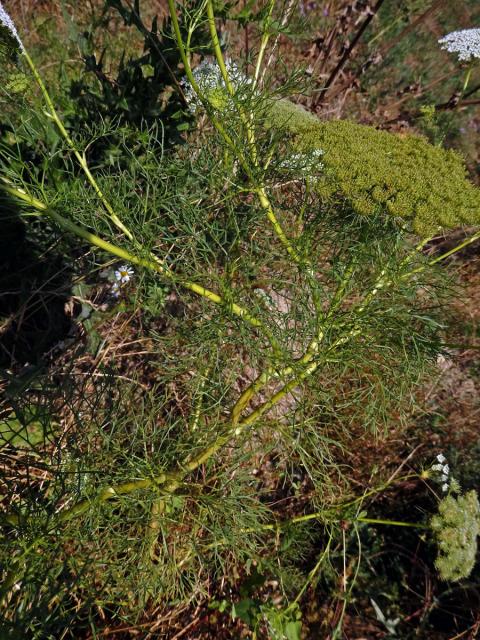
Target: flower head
456 527
210 82
442 472
7 23
305 163
123 274
466 43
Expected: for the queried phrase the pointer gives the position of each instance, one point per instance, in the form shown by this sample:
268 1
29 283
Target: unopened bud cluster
377 171
456 527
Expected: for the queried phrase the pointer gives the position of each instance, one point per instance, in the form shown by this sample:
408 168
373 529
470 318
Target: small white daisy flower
441 458
7 22
444 478
445 487
123 274
437 467
465 43
446 469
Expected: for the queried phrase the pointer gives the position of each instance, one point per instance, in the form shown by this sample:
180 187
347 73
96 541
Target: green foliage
17 83
273 319
9 45
402 175
128 84
456 527
434 124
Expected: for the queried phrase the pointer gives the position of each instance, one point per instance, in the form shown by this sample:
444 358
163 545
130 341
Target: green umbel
402 175
456 527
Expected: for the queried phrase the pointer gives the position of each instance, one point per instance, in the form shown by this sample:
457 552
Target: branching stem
156 265
80 157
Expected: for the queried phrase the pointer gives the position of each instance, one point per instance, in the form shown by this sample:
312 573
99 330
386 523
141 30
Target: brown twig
435 6
245 32
451 105
347 53
380 55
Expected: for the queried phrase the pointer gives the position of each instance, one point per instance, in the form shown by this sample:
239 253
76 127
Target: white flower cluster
466 43
7 22
210 81
442 468
122 275
307 162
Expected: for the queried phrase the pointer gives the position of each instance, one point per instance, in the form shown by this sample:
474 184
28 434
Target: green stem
467 79
459 247
191 78
277 227
263 43
157 265
217 49
80 157
311 351
324 516
259 190
246 120
473 238
395 523
170 481
312 573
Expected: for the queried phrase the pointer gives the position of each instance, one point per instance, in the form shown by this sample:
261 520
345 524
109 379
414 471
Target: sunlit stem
263 44
313 572
277 227
245 118
217 49
154 265
168 482
383 282
191 78
468 75
393 523
473 238
277 527
310 353
52 113
259 190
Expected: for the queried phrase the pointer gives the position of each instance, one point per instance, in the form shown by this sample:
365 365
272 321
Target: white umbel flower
123 274
210 82
443 472
7 22
465 43
307 162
